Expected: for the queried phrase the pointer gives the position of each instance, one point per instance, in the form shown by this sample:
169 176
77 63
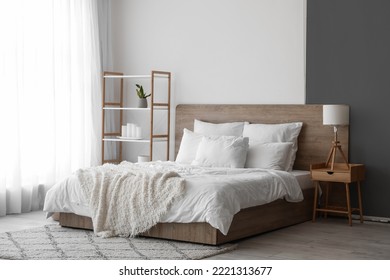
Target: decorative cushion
266 133
222 151
269 155
218 129
188 146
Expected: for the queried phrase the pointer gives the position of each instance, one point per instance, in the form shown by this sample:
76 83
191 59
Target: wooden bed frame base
275 215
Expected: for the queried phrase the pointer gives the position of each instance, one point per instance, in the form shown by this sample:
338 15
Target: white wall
219 51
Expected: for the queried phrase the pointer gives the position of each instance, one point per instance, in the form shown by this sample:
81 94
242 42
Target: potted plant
142 101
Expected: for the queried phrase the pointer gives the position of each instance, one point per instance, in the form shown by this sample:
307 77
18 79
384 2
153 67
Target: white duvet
212 195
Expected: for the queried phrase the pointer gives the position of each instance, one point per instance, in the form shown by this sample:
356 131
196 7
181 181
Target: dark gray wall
348 61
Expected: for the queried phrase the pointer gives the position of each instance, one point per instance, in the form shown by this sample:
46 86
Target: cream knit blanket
125 199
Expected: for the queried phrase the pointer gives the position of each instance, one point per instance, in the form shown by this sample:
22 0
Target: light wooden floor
330 239
326 239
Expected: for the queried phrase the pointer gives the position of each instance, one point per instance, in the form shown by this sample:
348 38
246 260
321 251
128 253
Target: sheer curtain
50 95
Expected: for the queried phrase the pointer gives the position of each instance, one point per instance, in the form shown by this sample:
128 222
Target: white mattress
212 195
303 177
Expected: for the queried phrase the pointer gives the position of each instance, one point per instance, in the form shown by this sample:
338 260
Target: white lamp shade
335 114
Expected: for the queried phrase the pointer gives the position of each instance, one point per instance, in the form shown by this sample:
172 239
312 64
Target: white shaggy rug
53 242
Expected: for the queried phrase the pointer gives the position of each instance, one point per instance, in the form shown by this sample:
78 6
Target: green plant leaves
140 92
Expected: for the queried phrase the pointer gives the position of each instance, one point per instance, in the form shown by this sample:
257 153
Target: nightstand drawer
330 176
319 172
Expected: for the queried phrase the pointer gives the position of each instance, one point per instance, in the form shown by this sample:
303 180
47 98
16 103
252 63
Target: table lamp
335 115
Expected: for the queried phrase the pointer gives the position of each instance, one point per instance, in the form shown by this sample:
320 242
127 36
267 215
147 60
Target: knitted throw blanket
125 199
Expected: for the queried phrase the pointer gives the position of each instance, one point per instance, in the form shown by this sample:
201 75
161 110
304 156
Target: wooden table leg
315 200
326 199
348 204
360 202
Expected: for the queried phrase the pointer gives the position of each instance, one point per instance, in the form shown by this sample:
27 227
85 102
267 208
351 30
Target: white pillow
266 133
269 155
219 129
222 151
188 146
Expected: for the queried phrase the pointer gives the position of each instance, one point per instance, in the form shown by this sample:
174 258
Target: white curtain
50 96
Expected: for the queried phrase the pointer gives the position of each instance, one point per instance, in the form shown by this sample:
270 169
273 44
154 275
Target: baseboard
372 219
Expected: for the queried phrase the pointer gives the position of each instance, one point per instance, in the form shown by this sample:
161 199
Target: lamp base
332 155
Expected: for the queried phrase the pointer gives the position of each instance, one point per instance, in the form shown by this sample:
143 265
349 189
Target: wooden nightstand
340 174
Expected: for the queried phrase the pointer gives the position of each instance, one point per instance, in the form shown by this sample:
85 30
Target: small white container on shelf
138 132
143 158
130 130
124 131
134 131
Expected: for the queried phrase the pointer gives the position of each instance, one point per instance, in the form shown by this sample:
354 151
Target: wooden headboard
314 141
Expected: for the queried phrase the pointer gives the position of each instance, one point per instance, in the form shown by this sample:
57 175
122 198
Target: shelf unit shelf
127 140
132 108
121 76
133 140
109 106
117 75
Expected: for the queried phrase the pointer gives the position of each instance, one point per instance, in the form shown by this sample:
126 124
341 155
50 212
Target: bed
313 143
